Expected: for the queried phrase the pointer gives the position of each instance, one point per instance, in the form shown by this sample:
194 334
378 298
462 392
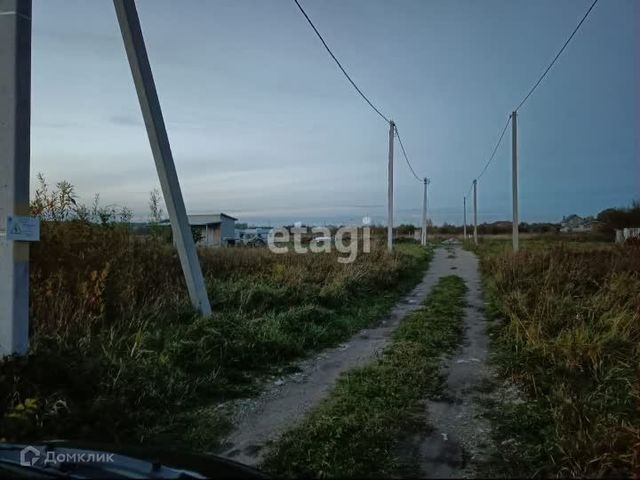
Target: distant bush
405 229
618 218
409 240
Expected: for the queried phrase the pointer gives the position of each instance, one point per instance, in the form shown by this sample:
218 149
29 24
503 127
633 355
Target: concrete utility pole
464 225
426 208
475 212
15 124
423 234
514 179
392 128
150 106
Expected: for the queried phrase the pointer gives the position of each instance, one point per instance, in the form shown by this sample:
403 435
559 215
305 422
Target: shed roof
206 219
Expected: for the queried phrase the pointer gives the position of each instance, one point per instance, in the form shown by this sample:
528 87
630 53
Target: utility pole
514 179
15 124
392 128
423 234
475 212
426 209
153 119
464 225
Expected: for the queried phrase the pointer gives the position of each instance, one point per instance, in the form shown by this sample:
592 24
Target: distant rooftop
206 219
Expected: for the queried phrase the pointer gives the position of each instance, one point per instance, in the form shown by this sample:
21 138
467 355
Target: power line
339 64
495 149
397 133
557 55
493 154
535 86
404 153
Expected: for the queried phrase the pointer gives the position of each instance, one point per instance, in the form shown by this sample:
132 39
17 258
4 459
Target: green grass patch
354 432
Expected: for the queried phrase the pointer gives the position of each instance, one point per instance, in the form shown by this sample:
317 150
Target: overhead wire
355 86
535 86
340 65
404 153
544 74
495 149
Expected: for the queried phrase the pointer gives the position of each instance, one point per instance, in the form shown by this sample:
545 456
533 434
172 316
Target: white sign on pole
24 229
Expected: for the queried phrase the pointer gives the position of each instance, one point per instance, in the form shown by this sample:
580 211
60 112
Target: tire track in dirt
460 440
284 403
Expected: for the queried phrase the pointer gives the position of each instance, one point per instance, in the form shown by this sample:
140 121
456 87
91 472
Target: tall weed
570 336
116 349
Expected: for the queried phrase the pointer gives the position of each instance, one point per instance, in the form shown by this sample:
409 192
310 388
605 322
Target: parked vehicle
252 237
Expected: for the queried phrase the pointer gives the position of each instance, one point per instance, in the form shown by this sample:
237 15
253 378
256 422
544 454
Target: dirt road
460 439
286 401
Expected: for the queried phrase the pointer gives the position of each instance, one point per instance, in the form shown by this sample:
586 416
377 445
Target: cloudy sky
264 126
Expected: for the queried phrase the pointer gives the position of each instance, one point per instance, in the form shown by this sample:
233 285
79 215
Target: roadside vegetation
355 431
117 354
604 225
567 333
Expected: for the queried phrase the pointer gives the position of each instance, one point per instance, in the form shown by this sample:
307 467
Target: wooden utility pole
392 128
15 126
475 212
514 179
159 140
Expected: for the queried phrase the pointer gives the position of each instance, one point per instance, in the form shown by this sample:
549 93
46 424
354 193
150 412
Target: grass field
118 355
567 332
355 431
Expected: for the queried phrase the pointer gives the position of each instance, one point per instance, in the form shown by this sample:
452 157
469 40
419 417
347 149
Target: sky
263 125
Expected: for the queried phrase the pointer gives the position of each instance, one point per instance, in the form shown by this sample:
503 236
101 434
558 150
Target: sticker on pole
23 229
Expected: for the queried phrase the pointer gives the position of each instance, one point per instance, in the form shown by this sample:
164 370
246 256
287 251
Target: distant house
214 230
575 224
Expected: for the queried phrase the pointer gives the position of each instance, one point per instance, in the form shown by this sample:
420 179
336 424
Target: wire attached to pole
339 64
375 109
535 86
557 56
404 153
495 149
